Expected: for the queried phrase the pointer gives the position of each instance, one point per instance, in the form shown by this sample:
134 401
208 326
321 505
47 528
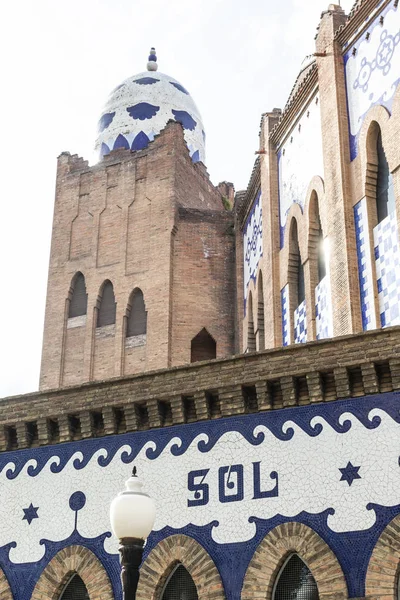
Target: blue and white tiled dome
139 108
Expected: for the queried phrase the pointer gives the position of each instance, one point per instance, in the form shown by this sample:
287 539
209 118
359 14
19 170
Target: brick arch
163 559
5 591
70 560
275 548
377 116
384 564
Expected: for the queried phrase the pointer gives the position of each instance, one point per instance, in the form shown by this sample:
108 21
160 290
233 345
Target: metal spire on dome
152 64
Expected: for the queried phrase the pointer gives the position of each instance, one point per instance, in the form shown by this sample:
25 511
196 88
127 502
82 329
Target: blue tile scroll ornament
179 87
185 119
105 121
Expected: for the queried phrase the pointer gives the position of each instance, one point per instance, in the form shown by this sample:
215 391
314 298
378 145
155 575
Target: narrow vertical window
251 337
137 315
385 201
260 314
321 254
180 586
78 300
107 309
295 582
75 590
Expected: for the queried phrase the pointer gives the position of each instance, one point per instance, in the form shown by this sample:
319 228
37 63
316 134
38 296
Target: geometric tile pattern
323 309
252 244
386 247
300 324
285 316
364 266
372 67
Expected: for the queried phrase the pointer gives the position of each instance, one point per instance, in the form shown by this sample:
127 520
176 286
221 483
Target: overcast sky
60 60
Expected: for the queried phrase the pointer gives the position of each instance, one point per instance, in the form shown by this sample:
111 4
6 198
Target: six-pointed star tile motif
349 473
30 513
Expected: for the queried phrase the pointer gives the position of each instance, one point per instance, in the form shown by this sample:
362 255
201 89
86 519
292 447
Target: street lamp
132 515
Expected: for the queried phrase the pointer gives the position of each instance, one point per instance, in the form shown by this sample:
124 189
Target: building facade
241 350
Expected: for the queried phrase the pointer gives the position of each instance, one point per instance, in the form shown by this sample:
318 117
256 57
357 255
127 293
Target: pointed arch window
203 347
298 268
137 315
295 581
75 589
180 586
107 310
78 300
385 200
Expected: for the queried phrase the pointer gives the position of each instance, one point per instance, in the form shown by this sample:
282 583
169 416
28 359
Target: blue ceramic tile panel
387 262
365 274
300 324
372 66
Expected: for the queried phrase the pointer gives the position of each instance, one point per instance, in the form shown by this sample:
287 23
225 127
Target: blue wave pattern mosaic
227 483
300 324
387 262
372 67
365 274
141 108
252 244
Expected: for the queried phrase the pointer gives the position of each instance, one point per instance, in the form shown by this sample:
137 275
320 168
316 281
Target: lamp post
132 515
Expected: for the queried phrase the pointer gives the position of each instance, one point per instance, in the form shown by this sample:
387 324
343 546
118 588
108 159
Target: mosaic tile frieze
226 483
372 68
299 160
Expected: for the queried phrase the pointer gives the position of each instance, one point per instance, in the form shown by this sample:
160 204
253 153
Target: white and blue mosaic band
299 160
300 324
226 483
387 262
323 309
252 244
365 273
286 335
140 108
372 67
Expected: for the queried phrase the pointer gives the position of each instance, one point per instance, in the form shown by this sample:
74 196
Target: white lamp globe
132 512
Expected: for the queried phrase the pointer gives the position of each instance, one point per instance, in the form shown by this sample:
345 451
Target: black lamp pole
131 550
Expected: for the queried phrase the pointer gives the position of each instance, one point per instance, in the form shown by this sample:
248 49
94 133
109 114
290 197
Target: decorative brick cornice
296 102
357 18
383 569
251 192
141 401
163 559
277 546
70 560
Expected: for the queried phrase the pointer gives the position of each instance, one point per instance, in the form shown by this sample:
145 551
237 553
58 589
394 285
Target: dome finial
152 64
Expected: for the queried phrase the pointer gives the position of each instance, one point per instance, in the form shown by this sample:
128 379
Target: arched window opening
296 266
203 347
295 581
78 301
385 201
180 586
260 314
321 254
75 589
137 315
251 336
107 309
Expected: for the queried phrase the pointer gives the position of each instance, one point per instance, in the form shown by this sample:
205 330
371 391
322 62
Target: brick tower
141 265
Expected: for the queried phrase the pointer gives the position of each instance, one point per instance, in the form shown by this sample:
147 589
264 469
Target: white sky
60 60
